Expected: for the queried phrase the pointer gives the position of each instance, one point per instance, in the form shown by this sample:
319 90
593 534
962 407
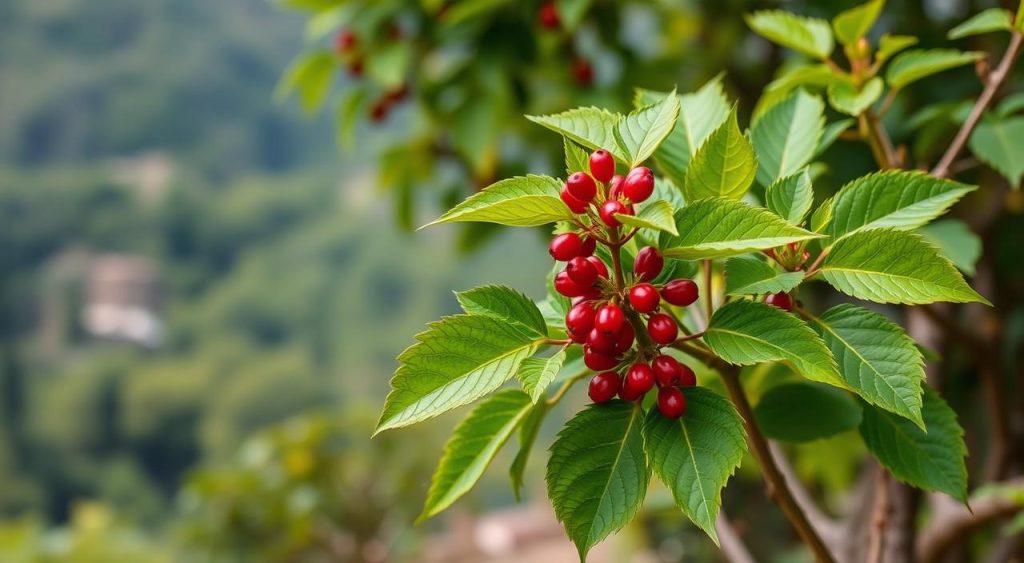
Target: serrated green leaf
642 131
806 411
528 432
786 136
876 358
593 128
577 159
695 455
914 65
474 443
890 266
930 459
657 215
537 373
1000 144
597 474
845 97
522 201
831 134
791 197
506 304
986 21
889 45
821 219
724 166
749 275
716 228
458 360
955 241
811 36
852 24
811 77
747 332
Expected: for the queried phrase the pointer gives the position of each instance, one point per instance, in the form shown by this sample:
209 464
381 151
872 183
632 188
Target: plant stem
615 247
709 299
565 388
878 139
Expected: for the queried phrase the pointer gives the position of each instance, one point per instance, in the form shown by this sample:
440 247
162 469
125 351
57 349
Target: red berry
548 16
639 379
581 271
580 319
602 165
602 269
577 336
687 378
379 111
609 319
601 341
610 209
565 247
781 300
604 386
639 184
567 287
583 71
355 68
662 329
589 246
624 340
666 370
681 292
648 263
671 402
574 205
615 187
345 41
598 361
644 297
581 186
592 293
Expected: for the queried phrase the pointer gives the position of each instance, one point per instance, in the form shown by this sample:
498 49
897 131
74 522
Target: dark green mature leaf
504 303
1000 144
852 24
642 131
716 228
876 358
786 135
657 215
528 432
955 241
597 474
806 411
537 373
931 459
694 455
986 21
747 332
473 445
791 197
724 166
811 36
748 275
890 266
458 360
845 97
593 128
916 64
523 201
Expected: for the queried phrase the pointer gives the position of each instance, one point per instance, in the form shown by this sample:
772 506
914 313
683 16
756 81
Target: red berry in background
602 341
681 292
604 386
671 402
615 187
379 111
602 165
639 379
565 247
581 271
610 209
687 378
574 205
580 319
625 339
602 269
648 263
598 361
548 16
589 246
666 370
644 297
345 41
398 94
567 287
355 67
609 319
583 71
581 186
639 184
781 300
662 329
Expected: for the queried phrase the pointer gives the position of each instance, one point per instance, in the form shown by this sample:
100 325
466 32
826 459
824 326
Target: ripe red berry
379 111
602 165
574 205
671 402
601 341
609 319
648 263
681 292
589 246
687 378
639 184
355 68
345 41
639 379
666 370
644 297
567 287
615 187
581 186
583 71
580 319
598 361
577 336
624 340
548 16
604 386
602 269
662 329
781 300
565 247
581 271
610 209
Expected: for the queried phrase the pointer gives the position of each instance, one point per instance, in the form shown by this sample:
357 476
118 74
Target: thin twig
954 525
565 388
880 518
826 526
709 300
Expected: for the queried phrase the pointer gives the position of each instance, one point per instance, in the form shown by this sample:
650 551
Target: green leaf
876 358
747 332
987 21
694 455
656 215
806 411
749 275
537 373
889 45
593 128
811 77
642 131
811 36
311 76
845 97
821 219
786 136
473 445
916 64
597 474
522 201
955 241
528 432
930 459
852 24
716 228
455 362
890 266
791 197
724 166
577 159
388 65
1000 144
831 134
506 304
1018 21
571 12
897 199
347 116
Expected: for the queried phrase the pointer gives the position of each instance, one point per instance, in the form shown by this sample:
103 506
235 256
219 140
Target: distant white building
122 300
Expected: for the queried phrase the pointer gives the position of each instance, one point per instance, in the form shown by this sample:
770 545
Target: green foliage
914 65
528 432
749 275
786 136
641 132
525 201
791 197
591 127
986 21
803 412
855 23
506 304
724 165
955 241
657 215
997 143
851 100
810 36
537 373
889 45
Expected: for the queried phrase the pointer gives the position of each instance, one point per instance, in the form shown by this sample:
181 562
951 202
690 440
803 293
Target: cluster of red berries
346 43
549 19
606 316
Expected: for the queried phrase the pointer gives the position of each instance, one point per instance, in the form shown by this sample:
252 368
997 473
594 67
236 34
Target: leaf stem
709 300
565 388
816 265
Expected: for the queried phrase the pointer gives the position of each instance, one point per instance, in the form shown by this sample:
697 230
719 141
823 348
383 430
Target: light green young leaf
458 360
811 36
311 77
716 228
389 64
916 64
889 45
576 157
791 197
1018 22
821 219
749 275
876 358
597 474
955 241
1000 144
831 134
537 373
845 97
642 131
474 443
890 266
806 411
811 77
522 201
852 24
930 459
506 304
528 431
694 455
724 166
571 12
987 21
593 128
657 215
786 136
747 332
